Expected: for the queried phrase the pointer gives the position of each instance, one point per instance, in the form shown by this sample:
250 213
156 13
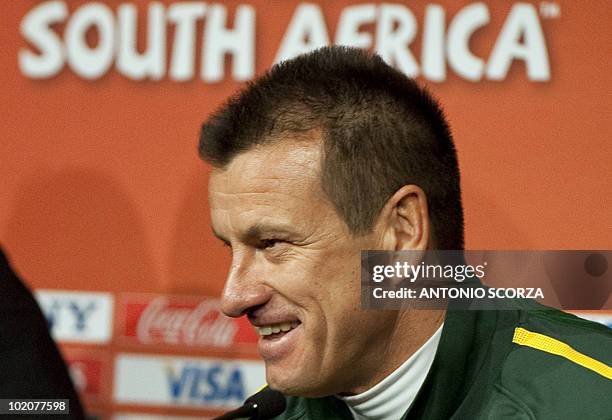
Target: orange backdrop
102 188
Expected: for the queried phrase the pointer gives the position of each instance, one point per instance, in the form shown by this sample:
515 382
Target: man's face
295 267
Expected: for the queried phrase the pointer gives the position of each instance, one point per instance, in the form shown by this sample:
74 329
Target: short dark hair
380 131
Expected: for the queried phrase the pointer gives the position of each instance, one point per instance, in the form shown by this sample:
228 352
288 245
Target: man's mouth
278 338
272 331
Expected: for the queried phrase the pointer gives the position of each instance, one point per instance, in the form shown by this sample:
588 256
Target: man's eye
269 243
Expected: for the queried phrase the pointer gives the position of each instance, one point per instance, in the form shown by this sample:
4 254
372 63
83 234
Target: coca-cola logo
200 323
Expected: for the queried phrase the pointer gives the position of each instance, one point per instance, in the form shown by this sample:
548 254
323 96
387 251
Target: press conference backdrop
103 205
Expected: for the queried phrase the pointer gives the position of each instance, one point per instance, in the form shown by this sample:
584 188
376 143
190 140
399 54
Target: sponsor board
168 320
604 318
185 382
75 316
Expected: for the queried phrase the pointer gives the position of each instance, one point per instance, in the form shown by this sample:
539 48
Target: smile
272 329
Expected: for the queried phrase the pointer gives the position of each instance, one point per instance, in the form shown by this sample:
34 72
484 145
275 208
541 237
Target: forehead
279 173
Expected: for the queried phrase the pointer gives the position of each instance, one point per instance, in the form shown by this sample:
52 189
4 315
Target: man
335 152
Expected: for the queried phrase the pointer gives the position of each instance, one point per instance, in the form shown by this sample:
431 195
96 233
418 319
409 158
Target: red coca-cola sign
179 321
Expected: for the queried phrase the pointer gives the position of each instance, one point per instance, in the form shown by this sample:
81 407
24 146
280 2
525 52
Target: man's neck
390 398
412 328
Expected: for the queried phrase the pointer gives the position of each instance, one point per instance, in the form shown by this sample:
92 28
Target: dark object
596 265
580 279
264 405
30 362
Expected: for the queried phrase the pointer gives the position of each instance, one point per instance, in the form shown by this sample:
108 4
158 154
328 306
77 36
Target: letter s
36 28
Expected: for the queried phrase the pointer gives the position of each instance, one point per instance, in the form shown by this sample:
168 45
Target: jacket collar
465 348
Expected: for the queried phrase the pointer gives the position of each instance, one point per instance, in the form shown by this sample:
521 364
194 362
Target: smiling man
332 153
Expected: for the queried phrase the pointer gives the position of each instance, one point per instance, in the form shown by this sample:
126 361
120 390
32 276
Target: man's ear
404 220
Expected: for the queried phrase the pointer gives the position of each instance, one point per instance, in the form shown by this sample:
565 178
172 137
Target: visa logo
207 383
169 381
77 316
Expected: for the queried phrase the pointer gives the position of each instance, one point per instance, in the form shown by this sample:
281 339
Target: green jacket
532 362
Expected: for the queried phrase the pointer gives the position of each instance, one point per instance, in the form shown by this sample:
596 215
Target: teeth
276 328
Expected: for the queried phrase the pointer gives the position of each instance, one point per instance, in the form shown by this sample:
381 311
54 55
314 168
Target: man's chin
281 379
293 383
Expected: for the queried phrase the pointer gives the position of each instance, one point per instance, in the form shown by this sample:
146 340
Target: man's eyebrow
262 228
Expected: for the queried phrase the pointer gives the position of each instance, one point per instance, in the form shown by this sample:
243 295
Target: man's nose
243 290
